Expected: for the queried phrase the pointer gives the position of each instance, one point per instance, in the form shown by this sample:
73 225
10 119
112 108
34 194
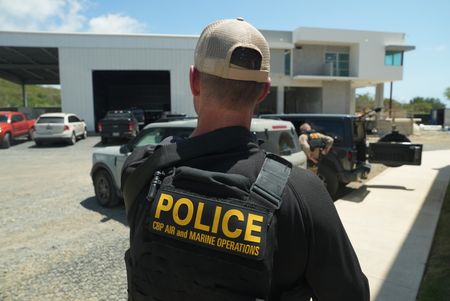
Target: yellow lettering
165 202
251 227
190 211
215 224
226 218
198 218
157 225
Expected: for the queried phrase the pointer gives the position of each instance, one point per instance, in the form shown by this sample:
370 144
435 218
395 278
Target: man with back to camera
314 143
214 217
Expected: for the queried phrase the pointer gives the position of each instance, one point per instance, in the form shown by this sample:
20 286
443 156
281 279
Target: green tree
364 102
447 93
421 105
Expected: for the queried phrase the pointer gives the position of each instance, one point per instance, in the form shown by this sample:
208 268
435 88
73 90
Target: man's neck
211 119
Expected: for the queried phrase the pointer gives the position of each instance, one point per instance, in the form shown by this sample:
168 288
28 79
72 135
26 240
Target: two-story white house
312 69
318 70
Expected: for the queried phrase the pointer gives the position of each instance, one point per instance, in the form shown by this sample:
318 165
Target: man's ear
265 91
194 76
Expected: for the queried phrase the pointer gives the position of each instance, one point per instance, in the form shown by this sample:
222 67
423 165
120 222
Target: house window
393 58
338 63
287 62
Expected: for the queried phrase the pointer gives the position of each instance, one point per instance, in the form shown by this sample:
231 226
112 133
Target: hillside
38 96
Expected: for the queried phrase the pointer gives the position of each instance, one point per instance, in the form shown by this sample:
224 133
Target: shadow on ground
116 213
357 195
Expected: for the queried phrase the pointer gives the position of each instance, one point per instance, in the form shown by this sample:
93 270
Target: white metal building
312 69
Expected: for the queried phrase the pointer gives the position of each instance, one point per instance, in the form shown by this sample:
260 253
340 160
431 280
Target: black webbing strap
272 179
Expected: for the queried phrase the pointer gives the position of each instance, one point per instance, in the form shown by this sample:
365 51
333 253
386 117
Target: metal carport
29 66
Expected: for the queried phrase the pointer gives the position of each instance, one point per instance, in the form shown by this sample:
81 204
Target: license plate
116 134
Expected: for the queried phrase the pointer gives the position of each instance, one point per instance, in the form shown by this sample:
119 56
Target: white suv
59 127
276 136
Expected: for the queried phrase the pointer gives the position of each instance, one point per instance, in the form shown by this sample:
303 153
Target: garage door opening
302 100
122 90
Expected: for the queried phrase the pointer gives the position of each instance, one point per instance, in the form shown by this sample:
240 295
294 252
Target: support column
24 96
280 99
352 104
379 99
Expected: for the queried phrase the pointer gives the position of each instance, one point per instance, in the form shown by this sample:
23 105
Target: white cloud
115 23
438 49
62 16
45 15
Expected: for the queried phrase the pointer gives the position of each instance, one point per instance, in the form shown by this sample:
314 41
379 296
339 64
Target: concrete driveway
391 221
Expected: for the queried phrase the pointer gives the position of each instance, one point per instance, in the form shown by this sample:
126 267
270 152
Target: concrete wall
337 97
277 61
403 125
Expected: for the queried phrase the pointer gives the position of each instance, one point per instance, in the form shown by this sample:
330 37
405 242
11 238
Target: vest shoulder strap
271 180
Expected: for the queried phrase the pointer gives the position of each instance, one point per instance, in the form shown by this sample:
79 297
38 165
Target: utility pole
24 96
390 103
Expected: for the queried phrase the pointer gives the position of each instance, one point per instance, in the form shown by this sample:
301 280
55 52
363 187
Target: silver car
278 137
52 127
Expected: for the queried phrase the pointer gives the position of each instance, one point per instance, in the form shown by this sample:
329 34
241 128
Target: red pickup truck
12 125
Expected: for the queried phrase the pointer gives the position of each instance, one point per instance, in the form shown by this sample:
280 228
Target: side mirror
124 149
337 139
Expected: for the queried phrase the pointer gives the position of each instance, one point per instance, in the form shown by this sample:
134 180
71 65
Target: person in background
313 143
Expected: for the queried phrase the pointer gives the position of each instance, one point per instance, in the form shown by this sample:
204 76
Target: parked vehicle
278 137
52 127
139 114
118 124
350 156
14 125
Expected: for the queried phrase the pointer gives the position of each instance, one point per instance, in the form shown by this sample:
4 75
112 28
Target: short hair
305 127
232 93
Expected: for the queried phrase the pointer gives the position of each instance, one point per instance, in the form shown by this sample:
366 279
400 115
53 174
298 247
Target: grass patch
436 280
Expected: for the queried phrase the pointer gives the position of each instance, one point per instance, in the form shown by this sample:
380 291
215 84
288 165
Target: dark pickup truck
118 125
351 155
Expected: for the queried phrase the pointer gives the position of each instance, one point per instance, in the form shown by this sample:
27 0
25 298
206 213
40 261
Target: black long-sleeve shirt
315 256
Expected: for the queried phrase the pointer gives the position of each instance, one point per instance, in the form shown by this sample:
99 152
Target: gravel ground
56 243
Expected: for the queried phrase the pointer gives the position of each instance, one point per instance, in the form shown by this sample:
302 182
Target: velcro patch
209 223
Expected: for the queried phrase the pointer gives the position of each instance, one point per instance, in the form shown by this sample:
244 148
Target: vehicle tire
329 178
394 137
104 140
84 136
73 139
104 189
6 143
38 143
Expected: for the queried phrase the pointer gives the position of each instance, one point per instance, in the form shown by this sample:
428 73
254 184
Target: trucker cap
233 49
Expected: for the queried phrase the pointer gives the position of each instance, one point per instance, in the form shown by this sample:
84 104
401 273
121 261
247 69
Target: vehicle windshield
51 120
156 135
3 118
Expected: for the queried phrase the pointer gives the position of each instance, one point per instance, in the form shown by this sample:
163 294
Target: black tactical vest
315 141
201 235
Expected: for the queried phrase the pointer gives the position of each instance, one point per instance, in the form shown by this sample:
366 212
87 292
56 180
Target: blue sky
426 24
